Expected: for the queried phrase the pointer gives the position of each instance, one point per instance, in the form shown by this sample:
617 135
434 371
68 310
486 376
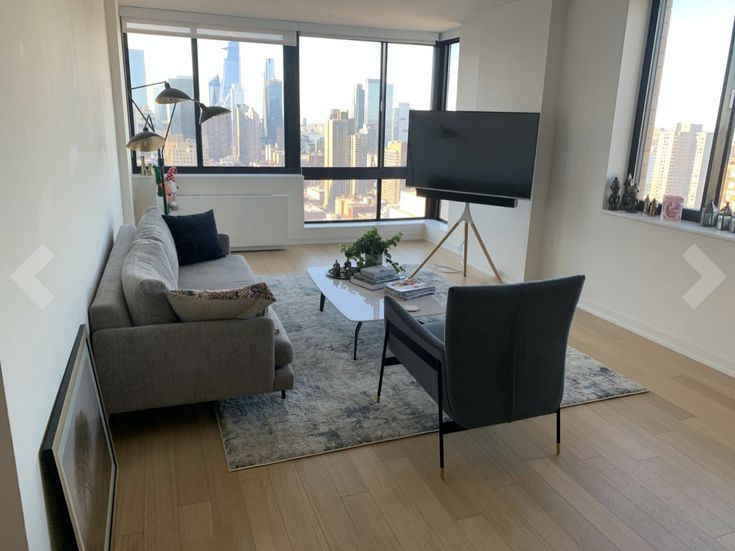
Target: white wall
636 273
291 185
502 67
60 190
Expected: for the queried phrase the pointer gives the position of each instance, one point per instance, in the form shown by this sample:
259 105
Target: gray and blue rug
332 405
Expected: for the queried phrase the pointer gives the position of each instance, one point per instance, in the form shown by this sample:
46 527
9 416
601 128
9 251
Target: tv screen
469 155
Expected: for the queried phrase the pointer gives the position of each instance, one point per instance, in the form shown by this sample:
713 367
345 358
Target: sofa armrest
178 363
224 241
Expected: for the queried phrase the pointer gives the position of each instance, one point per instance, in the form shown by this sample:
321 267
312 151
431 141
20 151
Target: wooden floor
649 471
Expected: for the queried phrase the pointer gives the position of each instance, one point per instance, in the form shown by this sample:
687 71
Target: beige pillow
242 303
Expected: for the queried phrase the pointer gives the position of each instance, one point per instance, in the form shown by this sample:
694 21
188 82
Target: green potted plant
372 250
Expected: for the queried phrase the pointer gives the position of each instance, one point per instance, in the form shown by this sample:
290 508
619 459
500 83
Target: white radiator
251 221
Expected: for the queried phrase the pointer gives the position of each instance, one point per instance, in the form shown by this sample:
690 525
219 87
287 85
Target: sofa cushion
243 303
152 226
284 350
196 237
146 278
109 309
229 272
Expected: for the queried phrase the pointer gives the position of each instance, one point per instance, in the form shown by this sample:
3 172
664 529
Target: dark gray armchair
499 357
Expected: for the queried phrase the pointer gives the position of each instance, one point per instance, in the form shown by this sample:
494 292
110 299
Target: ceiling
411 15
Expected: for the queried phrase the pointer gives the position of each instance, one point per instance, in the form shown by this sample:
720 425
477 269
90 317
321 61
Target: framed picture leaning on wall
78 456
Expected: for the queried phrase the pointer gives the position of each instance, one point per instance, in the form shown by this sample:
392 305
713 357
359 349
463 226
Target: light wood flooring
650 471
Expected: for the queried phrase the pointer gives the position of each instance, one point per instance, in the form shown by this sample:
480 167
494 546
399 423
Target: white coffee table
360 305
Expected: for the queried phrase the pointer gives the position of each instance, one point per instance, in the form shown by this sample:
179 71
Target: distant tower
231 72
137 77
215 87
358 106
272 105
183 120
270 69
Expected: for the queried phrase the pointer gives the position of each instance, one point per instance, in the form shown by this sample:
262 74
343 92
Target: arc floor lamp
148 140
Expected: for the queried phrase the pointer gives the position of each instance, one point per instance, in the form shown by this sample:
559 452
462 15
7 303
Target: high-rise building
272 105
358 106
217 141
215 89
391 193
336 153
396 154
399 126
388 113
231 74
678 162
270 69
137 77
728 185
182 122
248 137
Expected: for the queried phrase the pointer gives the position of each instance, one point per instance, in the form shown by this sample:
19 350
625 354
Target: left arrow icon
25 277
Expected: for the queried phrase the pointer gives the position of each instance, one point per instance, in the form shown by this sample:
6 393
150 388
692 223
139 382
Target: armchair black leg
382 361
283 394
558 431
440 401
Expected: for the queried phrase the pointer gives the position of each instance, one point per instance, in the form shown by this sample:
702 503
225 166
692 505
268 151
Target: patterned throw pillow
243 303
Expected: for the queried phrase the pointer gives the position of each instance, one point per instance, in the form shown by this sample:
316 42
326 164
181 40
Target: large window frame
724 128
292 126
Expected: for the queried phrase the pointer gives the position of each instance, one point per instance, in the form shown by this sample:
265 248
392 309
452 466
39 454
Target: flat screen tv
472 156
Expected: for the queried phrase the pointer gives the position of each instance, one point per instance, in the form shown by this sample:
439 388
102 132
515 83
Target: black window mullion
195 79
291 108
381 123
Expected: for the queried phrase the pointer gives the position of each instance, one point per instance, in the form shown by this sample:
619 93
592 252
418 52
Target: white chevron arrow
712 276
25 277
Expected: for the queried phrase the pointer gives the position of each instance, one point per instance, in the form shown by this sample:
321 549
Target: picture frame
78 457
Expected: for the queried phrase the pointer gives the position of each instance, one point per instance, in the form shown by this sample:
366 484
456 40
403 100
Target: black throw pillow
195 236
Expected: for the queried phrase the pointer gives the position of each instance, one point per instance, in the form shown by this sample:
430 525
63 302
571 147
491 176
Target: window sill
365 224
684 225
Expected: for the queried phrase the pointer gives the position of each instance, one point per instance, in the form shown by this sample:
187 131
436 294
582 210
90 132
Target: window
354 126
683 144
334 109
154 58
450 102
247 78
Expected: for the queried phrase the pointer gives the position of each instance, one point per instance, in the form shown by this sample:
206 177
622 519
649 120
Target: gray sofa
146 358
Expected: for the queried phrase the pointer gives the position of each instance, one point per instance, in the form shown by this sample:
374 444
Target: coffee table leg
357 332
321 302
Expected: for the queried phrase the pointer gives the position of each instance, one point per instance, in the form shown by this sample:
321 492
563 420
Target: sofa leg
283 394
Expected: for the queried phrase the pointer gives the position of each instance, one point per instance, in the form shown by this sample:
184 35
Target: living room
312 424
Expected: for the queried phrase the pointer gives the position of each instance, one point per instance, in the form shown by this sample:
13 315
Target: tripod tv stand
468 223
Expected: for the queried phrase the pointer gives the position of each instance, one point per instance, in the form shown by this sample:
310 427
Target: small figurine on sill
613 202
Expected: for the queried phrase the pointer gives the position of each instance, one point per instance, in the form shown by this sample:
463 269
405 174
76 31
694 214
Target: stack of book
408 289
374 277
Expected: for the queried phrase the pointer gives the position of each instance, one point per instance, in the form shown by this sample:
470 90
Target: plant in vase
372 250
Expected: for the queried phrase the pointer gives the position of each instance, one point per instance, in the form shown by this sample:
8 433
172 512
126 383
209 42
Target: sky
696 58
330 69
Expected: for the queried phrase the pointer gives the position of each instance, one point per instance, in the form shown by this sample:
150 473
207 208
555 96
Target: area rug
332 405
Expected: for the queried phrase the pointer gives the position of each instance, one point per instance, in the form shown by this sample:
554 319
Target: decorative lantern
709 213
724 218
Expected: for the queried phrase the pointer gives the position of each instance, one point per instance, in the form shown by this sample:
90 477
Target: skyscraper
137 77
231 74
247 134
215 88
399 127
272 104
388 113
358 106
336 153
183 120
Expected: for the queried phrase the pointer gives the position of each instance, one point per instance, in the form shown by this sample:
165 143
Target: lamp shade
209 112
145 141
171 95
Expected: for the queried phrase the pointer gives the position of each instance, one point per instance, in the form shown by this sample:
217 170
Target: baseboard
715 361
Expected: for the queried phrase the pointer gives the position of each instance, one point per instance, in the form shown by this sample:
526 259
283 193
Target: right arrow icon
712 276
